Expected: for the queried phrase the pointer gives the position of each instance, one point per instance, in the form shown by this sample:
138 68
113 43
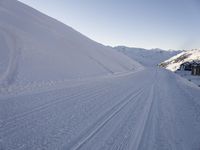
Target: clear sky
167 24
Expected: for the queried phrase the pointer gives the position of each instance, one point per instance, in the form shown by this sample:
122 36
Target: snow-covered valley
60 90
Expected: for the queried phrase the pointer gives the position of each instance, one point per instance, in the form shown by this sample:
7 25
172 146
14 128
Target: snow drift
37 48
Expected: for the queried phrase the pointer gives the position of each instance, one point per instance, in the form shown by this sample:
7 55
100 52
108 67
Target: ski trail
26 119
55 101
124 133
102 121
121 137
143 123
112 114
86 94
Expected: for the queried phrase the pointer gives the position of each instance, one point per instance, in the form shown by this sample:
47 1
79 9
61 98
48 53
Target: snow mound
174 63
148 58
37 48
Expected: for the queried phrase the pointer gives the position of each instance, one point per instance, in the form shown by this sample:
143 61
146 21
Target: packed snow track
148 110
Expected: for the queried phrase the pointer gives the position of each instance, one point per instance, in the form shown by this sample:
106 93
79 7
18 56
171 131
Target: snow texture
36 48
174 63
129 112
148 58
67 92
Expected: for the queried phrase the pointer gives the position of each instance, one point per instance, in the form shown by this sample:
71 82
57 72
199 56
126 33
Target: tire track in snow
112 112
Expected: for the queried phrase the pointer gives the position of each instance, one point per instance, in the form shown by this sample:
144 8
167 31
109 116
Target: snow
9 56
121 112
174 63
148 58
187 75
37 48
63 91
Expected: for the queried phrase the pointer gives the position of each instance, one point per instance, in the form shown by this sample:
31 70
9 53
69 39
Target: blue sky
167 24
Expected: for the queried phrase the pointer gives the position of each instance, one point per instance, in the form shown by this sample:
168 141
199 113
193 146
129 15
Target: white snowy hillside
174 63
67 92
146 57
37 48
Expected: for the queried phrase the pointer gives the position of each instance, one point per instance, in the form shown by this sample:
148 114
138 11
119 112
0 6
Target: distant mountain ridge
148 58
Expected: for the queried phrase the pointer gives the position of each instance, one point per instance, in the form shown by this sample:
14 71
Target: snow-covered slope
186 56
37 48
146 57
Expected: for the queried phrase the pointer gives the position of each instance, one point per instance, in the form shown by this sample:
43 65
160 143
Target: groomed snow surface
149 110
60 90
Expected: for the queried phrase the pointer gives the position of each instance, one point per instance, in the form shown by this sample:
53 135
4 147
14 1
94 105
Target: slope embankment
51 51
